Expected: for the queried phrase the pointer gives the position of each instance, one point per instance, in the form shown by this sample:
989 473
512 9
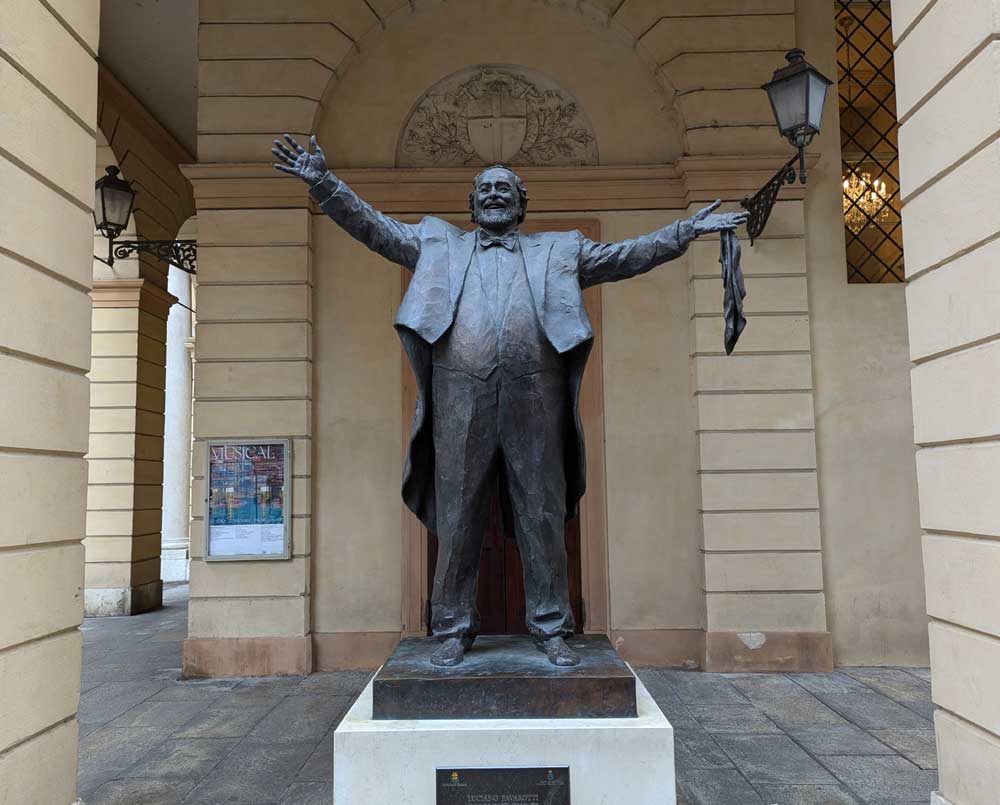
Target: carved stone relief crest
487 114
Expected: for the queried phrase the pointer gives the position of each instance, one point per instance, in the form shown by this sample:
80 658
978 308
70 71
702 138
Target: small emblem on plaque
454 776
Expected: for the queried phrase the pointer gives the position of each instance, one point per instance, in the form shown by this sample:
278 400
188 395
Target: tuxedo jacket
559 266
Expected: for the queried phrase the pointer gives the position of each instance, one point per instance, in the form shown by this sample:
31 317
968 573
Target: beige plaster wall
653 483
47 142
358 415
867 478
631 113
706 61
265 67
652 488
358 359
654 533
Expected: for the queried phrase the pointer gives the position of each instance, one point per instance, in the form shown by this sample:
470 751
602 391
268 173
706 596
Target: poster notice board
248 499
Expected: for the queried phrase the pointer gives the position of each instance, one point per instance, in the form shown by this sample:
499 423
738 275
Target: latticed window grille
868 141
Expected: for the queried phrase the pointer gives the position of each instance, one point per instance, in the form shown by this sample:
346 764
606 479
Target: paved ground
860 735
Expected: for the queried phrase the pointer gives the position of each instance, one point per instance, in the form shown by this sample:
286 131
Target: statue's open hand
296 160
705 221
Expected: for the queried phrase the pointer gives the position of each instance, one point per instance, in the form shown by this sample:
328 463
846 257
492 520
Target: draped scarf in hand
734 290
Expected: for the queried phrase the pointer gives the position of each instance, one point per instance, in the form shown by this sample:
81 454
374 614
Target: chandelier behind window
865 201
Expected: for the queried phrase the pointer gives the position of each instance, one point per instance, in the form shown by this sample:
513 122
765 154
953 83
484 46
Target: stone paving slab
773 759
838 739
182 758
883 779
719 787
917 746
808 795
732 718
858 736
224 721
871 710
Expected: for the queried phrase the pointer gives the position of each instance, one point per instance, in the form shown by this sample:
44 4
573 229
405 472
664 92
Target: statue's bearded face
496 203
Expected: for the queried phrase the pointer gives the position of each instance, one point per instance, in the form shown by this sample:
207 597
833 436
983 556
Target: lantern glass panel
98 208
789 101
817 99
116 208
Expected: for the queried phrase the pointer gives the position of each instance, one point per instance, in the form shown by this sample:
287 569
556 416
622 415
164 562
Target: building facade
761 511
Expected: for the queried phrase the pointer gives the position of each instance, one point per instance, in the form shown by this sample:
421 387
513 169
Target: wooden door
501 579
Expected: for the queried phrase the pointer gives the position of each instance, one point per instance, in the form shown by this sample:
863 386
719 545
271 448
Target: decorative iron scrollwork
762 202
180 253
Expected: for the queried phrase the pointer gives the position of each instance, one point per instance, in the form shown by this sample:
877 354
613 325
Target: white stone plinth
174 564
612 761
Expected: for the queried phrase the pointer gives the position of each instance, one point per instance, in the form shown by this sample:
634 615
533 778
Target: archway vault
269 67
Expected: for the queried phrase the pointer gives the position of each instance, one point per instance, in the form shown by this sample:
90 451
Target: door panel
500 598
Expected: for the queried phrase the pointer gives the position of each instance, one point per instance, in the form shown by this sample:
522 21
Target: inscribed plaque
545 785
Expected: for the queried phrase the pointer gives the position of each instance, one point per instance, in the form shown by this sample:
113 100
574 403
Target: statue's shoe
558 652
450 652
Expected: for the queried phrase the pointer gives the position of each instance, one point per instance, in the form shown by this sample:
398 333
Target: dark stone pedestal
504 676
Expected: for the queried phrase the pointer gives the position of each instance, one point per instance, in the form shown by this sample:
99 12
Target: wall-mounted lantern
114 199
797 93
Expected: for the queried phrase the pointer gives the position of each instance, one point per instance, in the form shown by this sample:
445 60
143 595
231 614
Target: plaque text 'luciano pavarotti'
507 786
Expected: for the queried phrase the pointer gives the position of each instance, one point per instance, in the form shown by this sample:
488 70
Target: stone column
177 433
46 172
125 493
252 379
764 600
948 98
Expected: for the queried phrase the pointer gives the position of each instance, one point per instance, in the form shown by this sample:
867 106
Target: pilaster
764 600
46 172
125 477
253 379
947 62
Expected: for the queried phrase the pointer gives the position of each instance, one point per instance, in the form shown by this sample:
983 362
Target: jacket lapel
461 246
536 264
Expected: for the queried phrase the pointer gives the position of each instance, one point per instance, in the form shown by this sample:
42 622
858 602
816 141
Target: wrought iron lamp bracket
180 253
762 202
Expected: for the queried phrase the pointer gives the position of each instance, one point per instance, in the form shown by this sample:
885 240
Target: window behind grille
868 141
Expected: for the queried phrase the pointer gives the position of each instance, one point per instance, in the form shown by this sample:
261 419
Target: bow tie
508 241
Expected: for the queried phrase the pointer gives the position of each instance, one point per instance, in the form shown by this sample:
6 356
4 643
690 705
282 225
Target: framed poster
248 502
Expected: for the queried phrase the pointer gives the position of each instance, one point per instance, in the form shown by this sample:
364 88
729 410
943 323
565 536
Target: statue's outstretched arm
381 233
610 262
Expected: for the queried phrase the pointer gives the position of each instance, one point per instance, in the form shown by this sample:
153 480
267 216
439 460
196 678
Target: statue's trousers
513 428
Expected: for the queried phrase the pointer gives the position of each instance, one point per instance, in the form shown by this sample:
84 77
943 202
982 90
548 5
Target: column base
246 656
105 602
664 648
768 651
174 564
343 651
628 760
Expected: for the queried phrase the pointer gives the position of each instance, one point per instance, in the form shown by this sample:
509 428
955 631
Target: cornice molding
132 293
589 189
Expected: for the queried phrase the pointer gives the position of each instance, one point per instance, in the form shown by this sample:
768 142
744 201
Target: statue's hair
522 193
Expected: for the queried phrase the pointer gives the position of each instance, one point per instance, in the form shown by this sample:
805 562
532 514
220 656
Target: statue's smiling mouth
495 205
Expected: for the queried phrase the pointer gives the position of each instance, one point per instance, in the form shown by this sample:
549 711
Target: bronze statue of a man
494 326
